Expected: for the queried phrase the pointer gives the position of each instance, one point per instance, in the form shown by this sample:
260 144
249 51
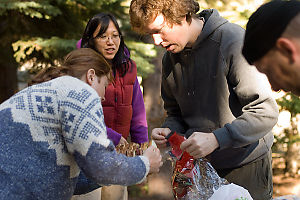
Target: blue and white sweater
51 131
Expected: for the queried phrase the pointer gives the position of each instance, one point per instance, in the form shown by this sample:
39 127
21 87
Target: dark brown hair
76 64
122 58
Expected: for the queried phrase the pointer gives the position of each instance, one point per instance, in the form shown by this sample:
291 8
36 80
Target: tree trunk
153 102
292 153
8 75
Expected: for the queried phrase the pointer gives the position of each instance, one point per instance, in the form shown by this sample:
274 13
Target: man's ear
287 48
90 76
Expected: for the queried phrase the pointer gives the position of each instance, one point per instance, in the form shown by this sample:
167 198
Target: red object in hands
182 175
175 141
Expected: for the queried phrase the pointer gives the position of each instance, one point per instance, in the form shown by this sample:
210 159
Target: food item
132 149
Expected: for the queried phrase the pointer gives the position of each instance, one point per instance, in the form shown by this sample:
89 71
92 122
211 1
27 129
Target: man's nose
157 39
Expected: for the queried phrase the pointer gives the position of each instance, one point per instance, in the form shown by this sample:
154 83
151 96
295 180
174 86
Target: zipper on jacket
187 73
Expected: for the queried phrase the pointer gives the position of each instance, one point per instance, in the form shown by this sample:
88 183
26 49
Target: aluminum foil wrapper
198 181
193 179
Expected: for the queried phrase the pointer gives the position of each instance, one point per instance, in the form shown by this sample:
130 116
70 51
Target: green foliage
142 53
43 31
290 102
236 11
33 9
290 135
49 48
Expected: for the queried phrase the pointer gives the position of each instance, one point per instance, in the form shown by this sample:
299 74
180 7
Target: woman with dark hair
124 110
52 130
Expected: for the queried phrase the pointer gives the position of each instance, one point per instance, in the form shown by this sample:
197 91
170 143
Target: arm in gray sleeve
252 90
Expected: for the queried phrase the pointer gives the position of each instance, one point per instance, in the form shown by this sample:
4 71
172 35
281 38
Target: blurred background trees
287 138
38 33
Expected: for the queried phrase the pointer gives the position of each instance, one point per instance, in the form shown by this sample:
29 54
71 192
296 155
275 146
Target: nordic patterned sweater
51 131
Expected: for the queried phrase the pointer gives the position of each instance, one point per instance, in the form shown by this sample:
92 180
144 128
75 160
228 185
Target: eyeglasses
105 38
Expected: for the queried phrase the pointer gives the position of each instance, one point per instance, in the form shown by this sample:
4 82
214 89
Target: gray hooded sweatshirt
211 88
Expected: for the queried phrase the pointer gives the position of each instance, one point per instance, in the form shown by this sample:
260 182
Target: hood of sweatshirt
213 21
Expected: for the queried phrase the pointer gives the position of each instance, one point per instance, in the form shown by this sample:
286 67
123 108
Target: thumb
185 145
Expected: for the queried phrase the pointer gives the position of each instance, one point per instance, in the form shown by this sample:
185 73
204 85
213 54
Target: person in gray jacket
223 105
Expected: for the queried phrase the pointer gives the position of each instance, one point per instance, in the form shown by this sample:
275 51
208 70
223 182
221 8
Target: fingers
197 154
123 141
184 145
152 152
155 159
194 146
190 148
200 144
158 135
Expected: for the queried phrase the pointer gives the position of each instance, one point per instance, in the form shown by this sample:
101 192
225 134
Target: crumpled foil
198 182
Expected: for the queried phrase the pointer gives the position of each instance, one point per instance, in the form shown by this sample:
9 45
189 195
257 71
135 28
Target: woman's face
109 42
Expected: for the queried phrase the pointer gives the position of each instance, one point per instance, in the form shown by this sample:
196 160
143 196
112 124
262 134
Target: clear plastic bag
196 179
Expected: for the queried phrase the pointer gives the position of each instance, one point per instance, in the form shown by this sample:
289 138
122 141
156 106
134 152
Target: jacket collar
213 21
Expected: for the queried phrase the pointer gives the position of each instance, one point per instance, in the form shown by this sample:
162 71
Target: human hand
159 136
200 144
153 154
123 141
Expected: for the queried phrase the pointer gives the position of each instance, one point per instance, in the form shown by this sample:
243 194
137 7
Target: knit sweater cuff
223 137
147 166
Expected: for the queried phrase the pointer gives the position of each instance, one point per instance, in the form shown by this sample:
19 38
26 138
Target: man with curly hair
211 94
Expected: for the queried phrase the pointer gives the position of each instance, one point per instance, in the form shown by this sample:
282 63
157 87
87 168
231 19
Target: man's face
282 74
99 84
174 38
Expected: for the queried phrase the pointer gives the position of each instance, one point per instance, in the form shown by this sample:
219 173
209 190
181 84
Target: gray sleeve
253 91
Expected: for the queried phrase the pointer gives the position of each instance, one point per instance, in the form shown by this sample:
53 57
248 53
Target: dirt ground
158 186
286 185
